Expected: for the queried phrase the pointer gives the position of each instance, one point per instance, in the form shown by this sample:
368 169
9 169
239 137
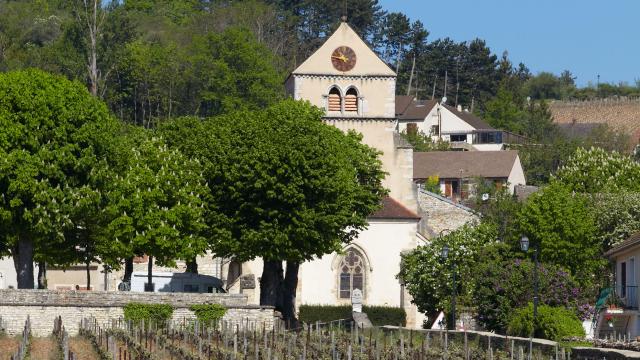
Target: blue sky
587 37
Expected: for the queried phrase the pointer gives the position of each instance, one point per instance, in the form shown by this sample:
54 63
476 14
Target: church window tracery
352 273
334 100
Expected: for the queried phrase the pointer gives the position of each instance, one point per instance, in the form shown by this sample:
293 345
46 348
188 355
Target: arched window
335 100
351 101
352 273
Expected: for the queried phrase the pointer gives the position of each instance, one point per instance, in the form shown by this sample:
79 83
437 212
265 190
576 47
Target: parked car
174 282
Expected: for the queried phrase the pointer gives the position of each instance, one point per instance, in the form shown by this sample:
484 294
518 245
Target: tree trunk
149 286
42 275
192 266
413 68
271 284
128 270
289 295
88 276
23 262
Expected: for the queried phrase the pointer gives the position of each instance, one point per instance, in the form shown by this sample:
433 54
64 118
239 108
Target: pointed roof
457 164
367 62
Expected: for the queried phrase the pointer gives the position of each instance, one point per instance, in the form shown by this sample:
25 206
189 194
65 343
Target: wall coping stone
105 299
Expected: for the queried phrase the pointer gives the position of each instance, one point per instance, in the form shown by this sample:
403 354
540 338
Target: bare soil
43 348
8 346
82 348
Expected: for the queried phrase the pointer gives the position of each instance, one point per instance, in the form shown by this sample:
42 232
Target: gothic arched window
352 273
334 100
351 101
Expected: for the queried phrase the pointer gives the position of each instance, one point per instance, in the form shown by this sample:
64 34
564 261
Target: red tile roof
392 209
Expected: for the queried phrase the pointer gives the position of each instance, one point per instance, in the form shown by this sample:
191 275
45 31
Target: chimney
459 107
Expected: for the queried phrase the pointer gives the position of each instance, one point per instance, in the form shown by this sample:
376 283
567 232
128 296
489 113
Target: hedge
379 315
158 313
553 323
206 313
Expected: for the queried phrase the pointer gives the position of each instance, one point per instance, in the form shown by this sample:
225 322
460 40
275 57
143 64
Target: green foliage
207 313
378 315
422 142
562 225
596 171
553 323
503 284
157 313
433 184
546 85
291 186
155 206
54 140
427 275
617 216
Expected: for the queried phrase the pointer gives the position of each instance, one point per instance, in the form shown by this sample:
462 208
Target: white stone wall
44 306
441 215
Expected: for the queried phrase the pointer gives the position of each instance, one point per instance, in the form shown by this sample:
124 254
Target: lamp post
445 254
524 246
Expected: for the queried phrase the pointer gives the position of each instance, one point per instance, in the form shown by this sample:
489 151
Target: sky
587 37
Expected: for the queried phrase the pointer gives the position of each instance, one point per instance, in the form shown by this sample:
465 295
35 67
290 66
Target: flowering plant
609 320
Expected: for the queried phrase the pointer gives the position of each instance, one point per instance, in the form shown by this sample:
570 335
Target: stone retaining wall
43 306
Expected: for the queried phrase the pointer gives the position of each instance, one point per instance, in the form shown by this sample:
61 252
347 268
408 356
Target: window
435 130
623 279
351 101
235 271
334 100
352 273
458 137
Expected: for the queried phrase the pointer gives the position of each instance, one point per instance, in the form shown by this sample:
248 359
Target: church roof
392 209
464 164
367 62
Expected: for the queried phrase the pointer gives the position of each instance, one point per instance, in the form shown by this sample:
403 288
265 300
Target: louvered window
351 101
335 100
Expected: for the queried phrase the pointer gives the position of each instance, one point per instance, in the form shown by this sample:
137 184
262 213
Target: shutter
334 102
351 103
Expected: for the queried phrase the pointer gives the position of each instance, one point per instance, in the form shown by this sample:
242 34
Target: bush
207 313
553 323
379 315
157 313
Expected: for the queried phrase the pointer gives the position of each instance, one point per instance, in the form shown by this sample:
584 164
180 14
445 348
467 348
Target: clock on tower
343 58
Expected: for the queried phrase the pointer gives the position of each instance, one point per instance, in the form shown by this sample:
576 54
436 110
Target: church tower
357 91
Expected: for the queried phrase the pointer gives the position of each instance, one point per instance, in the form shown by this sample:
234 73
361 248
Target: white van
177 282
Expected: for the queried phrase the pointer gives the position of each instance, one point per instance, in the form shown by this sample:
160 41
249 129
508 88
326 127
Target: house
625 318
457 171
463 129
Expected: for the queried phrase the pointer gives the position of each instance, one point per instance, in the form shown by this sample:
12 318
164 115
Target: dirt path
82 348
8 346
43 349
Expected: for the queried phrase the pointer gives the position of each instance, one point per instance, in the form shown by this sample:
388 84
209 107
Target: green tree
597 171
53 135
155 207
428 277
292 187
561 224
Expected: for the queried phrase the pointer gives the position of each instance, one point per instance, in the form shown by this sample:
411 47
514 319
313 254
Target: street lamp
524 246
445 254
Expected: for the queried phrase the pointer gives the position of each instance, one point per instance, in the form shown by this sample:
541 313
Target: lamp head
445 252
524 243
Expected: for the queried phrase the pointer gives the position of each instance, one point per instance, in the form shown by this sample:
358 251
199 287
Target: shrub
207 313
157 313
553 323
379 315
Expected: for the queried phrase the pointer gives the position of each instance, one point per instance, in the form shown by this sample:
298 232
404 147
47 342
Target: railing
628 295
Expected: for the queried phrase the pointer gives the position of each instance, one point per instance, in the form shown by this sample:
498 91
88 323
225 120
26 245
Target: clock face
343 58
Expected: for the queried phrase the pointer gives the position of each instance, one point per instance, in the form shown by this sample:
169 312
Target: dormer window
334 100
351 101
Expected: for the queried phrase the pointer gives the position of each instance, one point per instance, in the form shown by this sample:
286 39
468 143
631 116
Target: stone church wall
43 306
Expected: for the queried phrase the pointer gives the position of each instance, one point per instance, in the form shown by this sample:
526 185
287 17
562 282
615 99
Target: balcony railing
628 295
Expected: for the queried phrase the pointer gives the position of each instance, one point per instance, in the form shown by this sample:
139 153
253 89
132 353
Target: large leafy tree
53 134
155 206
561 225
292 187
